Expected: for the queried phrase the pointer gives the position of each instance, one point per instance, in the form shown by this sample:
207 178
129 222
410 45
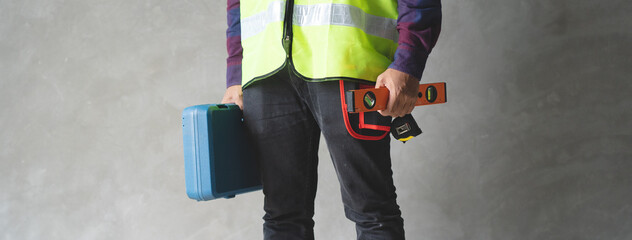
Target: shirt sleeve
233 44
418 24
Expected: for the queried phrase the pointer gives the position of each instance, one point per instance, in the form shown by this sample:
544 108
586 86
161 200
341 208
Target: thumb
380 82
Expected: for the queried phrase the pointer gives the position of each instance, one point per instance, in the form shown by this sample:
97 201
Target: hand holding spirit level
373 99
402 128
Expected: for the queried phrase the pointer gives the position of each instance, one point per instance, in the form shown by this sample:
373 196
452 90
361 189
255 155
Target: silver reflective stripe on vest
345 15
255 24
321 14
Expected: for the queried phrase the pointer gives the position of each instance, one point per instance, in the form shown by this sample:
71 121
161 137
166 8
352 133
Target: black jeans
285 116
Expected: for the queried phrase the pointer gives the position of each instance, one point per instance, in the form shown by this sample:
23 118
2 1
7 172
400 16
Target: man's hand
233 95
402 88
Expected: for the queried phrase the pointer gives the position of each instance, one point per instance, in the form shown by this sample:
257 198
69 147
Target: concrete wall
535 142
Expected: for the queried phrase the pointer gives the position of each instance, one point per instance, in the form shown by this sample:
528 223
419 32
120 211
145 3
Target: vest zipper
287 46
286 41
287 28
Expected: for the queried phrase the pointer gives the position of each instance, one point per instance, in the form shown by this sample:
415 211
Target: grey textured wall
535 142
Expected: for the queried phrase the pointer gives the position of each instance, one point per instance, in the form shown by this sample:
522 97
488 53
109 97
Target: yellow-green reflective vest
322 40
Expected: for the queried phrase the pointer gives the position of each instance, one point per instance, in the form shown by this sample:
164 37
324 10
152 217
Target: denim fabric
285 116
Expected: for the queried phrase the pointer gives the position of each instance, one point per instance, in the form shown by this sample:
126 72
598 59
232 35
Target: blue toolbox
218 158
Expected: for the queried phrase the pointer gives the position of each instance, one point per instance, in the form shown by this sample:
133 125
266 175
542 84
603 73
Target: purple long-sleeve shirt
418 24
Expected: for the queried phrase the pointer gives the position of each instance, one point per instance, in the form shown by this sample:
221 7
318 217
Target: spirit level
373 99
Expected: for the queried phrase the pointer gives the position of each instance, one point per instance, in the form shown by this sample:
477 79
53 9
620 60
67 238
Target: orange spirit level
373 99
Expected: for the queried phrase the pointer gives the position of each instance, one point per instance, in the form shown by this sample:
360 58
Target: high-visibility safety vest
320 39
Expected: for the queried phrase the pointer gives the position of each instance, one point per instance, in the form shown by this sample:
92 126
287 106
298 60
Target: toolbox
218 158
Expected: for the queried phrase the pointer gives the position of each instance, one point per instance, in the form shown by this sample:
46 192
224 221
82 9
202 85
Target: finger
240 103
407 106
225 100
388 111
240 100
399 105
402 112
410 108
379 83
391 106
